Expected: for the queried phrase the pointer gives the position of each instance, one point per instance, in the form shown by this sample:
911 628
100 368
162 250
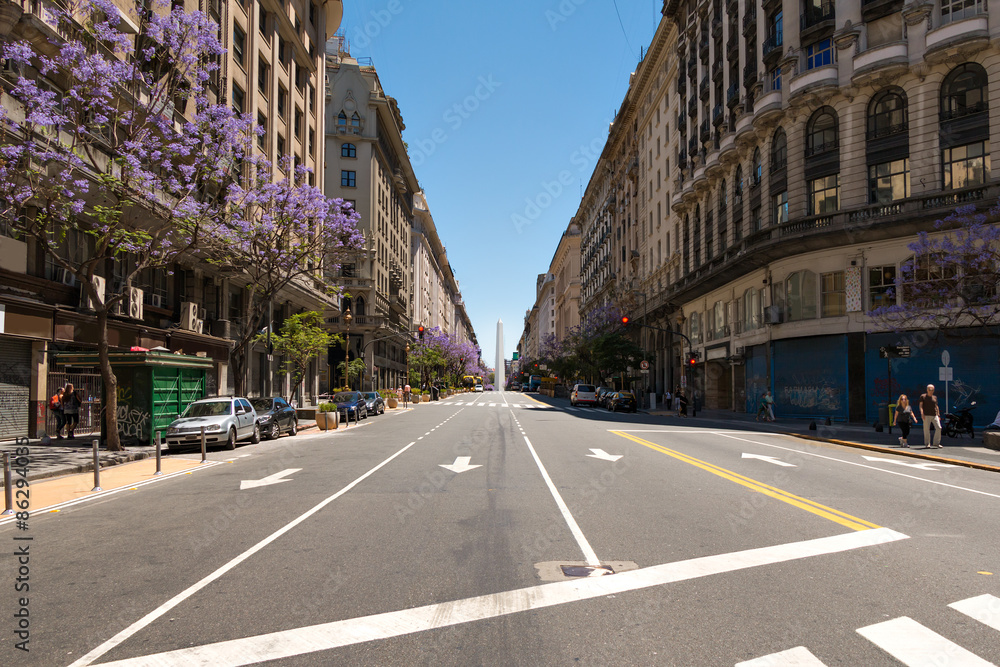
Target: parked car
351 405
374 403
583 394
274 416
227 420
515 386
622 401
479 388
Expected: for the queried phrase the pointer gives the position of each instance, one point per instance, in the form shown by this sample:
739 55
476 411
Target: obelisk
498 374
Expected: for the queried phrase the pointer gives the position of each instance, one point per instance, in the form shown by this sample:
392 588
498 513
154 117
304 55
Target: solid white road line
327 636
862 465
588 552
191 590
793 657
913 644
984 608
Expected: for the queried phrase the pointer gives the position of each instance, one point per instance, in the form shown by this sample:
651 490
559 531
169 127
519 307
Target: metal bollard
8 491
159 442
97 468
204 455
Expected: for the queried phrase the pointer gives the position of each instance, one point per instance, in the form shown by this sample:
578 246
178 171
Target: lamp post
643 338
347 363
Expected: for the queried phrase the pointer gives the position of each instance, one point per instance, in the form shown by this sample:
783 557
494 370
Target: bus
468 381
534 382
479 380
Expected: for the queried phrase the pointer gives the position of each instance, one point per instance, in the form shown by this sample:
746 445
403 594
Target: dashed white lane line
327 636
152 616
914 644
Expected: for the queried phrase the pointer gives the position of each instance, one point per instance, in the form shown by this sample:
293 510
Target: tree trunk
238 362
110 398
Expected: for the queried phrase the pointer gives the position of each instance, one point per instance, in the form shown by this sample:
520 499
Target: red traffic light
692 359
624 319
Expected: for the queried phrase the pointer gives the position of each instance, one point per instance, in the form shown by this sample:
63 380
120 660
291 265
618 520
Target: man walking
930 412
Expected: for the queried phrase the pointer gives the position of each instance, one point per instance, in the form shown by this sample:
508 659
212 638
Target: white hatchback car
226 420
479 388
583 393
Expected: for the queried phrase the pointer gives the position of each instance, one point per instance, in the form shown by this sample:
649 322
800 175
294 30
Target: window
928 281
964 91
956 10
774 77
341 122
821 132
887 113
311 93
298 122
779 151
312 140
348 178
239 99
753 312
281 51
889 181
355 123
779 208
348 150
833 298
262 20
966 166
824 195
758 169
262 136
282 95
281 145
819 54
262 72
312 13
800 295
881 286
239 45
755 219
738 192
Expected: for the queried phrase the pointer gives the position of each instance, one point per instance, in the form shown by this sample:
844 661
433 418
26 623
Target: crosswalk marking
984 608
913 644
793 657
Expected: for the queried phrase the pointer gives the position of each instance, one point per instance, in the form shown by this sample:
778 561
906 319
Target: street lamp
347 363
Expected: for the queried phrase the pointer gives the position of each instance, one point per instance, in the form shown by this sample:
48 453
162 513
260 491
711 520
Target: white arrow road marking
921 466
601 454
270 479
327 636
769 459
461 464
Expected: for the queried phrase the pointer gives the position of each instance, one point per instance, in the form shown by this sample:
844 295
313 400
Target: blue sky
507 107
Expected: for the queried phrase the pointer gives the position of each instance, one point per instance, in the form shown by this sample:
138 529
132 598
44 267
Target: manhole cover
586 570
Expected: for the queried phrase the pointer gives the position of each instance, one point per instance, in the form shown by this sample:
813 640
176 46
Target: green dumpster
153 388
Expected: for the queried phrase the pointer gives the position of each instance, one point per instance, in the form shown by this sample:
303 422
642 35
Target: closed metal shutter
15 379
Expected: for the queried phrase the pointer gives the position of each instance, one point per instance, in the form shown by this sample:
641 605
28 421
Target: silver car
226 420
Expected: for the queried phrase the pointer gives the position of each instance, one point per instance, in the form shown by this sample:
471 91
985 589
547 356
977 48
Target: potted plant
390 399
425 397
327 417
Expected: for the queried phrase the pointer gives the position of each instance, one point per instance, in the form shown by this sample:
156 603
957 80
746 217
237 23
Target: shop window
800 296
833 297
881 286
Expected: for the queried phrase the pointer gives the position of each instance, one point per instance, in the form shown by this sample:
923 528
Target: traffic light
461 362
625 320
420 331
692 359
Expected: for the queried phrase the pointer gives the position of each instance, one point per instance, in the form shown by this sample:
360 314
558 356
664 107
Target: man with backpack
56 407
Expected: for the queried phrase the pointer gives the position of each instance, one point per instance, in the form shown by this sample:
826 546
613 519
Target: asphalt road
372 553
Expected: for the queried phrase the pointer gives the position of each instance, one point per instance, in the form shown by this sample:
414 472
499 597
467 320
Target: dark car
602 395
351 405
622 400
275 416
374 403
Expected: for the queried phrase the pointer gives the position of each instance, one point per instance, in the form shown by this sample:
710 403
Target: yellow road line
834 515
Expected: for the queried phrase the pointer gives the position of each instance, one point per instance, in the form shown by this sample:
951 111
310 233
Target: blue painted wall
810 377
757 374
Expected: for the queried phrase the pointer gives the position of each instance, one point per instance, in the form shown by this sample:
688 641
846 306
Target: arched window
801 295
887 113
348 150
779 150
738 188
964 91
821 132
342 121
723 198
758 169
360 306
345 305
355 121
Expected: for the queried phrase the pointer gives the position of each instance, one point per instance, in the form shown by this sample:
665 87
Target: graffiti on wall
133 422
824 396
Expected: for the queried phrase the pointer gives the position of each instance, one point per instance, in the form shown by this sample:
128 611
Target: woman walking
904 419
71 403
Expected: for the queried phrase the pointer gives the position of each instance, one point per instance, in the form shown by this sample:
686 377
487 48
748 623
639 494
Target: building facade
272 70
784 166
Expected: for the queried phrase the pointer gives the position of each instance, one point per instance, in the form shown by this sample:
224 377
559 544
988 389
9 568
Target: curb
88 467
897 451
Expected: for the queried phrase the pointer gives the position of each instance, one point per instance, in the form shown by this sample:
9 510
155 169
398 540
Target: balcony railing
959 112
718 114
886 131
733 95
750 74
771 43
693 107
817 149
750 18
705 133
813 15
703 90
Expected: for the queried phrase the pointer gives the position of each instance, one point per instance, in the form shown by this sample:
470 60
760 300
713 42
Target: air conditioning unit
189 315
86 301
65 277
199 326
135 297
156 301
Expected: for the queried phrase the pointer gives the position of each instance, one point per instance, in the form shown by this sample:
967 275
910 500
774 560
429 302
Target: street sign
515 357
903 350
946 374
644 365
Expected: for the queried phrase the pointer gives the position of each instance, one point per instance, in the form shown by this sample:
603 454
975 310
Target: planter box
425 398
328 421
392 403
991 439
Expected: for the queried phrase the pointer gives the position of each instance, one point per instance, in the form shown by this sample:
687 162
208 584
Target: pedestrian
904 418
769 405
71 403
668 399
56 407
930 414
682 404
677 400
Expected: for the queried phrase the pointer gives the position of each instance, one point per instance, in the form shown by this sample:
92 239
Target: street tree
351 370
277 235
113 158
952 278
301 339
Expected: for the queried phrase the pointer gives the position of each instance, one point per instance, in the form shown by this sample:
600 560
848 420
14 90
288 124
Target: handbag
937 422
